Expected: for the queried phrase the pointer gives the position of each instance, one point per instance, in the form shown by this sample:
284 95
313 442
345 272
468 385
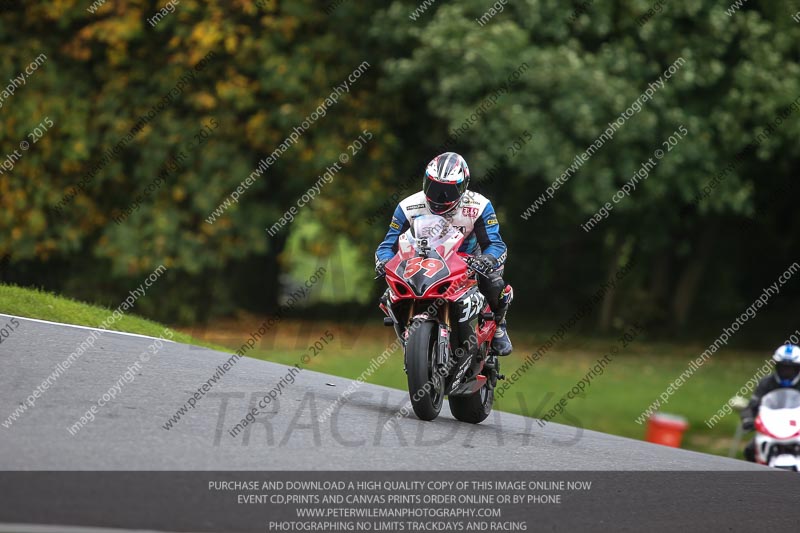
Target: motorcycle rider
445 193
787 374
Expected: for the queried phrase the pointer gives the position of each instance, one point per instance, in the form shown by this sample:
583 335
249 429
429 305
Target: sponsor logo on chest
471 212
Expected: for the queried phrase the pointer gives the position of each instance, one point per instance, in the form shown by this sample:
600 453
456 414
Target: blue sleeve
487 230
397 226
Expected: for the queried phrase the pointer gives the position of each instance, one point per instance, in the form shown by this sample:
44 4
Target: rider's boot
501 342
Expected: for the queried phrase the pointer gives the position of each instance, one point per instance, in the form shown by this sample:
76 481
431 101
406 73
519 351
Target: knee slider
506 296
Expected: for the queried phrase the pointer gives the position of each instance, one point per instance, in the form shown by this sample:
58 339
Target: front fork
443 355
444 351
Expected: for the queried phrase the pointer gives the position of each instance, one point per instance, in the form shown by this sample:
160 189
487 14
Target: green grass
634 379
34 303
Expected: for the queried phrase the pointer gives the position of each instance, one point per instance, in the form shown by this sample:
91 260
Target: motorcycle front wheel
425 386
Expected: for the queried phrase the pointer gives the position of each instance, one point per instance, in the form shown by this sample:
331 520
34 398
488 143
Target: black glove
380 268
485 263
748 424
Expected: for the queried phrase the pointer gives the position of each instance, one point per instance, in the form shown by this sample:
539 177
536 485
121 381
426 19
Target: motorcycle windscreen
433 232
422 273
780 413
432 227
785 398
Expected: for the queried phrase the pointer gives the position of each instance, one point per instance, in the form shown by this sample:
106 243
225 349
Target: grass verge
42 305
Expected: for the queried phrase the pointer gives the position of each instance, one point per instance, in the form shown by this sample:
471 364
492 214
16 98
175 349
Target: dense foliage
521 94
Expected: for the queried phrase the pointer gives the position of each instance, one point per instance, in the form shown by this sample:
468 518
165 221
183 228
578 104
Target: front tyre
425 387
475 408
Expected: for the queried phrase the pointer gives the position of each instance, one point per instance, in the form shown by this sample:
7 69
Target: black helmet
446 181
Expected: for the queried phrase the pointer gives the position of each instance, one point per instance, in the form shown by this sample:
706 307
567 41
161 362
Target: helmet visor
787 371
442 197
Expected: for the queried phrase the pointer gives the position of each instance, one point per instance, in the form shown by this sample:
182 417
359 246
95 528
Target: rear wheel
474 408
425 387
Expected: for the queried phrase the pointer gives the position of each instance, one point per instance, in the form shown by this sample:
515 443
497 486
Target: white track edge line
86 327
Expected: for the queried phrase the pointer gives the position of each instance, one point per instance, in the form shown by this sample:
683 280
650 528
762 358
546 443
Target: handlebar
471 263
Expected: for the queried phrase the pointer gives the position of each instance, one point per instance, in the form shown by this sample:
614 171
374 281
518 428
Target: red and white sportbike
778 430
443 321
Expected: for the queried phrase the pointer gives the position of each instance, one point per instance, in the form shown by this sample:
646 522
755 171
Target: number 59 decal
415 264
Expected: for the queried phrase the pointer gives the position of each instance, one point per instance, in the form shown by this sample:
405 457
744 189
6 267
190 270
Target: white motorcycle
778 430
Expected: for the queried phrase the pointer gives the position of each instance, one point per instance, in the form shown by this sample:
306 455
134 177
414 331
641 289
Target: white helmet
446 182
787 365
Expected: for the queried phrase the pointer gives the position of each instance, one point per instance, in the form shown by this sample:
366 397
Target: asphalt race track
128 433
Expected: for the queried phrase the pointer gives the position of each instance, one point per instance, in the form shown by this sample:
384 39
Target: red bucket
666 429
